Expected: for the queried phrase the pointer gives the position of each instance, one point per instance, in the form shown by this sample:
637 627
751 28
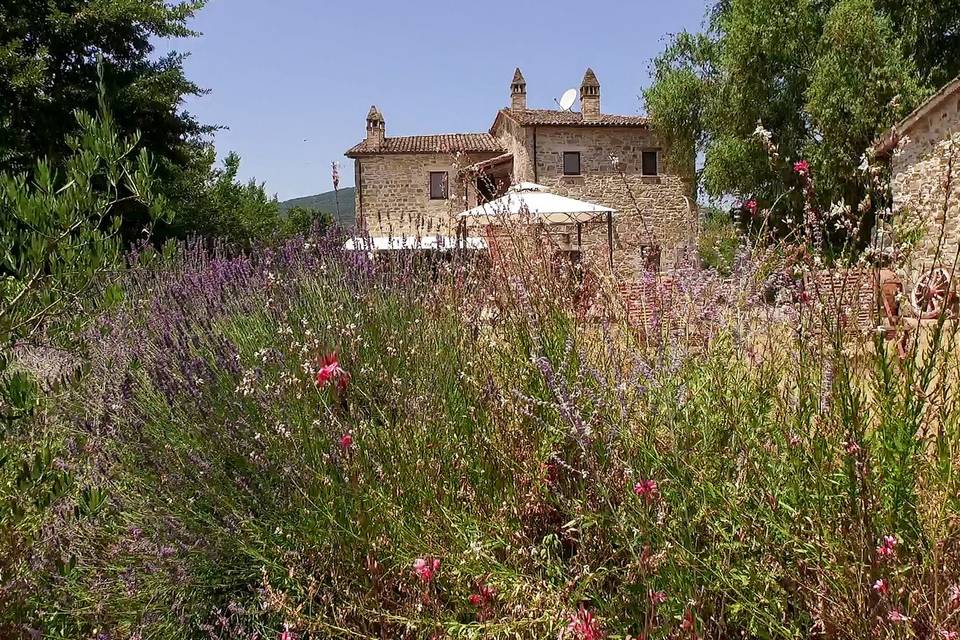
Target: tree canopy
55 55
825 78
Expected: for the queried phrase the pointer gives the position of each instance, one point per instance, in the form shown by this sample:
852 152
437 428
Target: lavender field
305 443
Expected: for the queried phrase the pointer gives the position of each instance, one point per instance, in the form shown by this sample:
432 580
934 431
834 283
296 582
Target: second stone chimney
376 127
518 92
590 96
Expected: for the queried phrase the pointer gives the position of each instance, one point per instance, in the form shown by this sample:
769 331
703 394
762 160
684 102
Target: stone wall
920 166
650 210
393 193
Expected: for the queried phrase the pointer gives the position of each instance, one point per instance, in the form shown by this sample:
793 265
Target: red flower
346 441
331 371
583 626
426 569
483 596
852 447
802 167
658 597
887 548
881 586
286 634
751 206
647 489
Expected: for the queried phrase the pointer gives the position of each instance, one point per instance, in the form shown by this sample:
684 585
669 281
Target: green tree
60 240
824 78
49 56
239 213
304 220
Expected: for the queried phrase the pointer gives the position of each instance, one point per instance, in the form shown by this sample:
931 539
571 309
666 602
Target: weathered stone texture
921 167
650 210
393 193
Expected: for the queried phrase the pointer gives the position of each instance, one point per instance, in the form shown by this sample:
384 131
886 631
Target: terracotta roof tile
550 117
443 143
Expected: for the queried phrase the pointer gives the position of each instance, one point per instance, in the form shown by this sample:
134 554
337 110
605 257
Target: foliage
61 250
60 234
825 78
476 461
304 221
49 56
719 241
239 213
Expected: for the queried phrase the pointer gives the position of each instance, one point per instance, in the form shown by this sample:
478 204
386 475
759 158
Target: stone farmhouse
922 147
414 186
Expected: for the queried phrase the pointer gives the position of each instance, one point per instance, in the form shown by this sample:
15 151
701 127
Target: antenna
567 99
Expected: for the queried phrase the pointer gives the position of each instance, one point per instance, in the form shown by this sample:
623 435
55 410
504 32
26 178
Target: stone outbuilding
417 185
925 162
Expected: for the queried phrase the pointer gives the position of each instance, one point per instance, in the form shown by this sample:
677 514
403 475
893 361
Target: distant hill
327 202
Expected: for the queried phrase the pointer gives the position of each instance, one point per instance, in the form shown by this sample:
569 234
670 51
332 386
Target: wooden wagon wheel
931 294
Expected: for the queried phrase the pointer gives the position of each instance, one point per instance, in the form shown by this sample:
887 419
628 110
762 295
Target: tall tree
49 56
49 53
825 78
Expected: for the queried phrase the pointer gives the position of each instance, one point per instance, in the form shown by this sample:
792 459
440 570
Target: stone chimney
590 97
518 92
376 127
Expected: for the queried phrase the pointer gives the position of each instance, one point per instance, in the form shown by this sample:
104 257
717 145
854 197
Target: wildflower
647 489
896 616
583 626
286 634
802 167
852 447
751 206
346 441
948 635
881 586
483 596
887 548
331 371
426 569
658 597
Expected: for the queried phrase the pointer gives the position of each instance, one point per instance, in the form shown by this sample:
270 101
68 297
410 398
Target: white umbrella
529 202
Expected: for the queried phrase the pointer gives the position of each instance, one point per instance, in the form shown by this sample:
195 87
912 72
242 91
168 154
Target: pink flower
583 626
286 634
426 569
802 167
896 616
881 586
649 490
658 597
751 206
331 371
948 635
346 441
888 548
852 447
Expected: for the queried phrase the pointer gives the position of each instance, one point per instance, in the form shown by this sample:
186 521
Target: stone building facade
923 146
611 160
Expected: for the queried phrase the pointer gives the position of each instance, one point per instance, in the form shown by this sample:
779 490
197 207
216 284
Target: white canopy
533 203
441 243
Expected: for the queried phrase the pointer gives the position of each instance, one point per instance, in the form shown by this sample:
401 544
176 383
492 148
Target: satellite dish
567 99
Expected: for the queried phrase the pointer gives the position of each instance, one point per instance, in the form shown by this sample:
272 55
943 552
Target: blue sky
293 79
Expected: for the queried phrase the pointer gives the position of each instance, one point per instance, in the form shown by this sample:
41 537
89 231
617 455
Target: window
649 164
438 185
571 163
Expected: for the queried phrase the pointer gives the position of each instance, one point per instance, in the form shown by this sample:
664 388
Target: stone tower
590 97
518 92
376 127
